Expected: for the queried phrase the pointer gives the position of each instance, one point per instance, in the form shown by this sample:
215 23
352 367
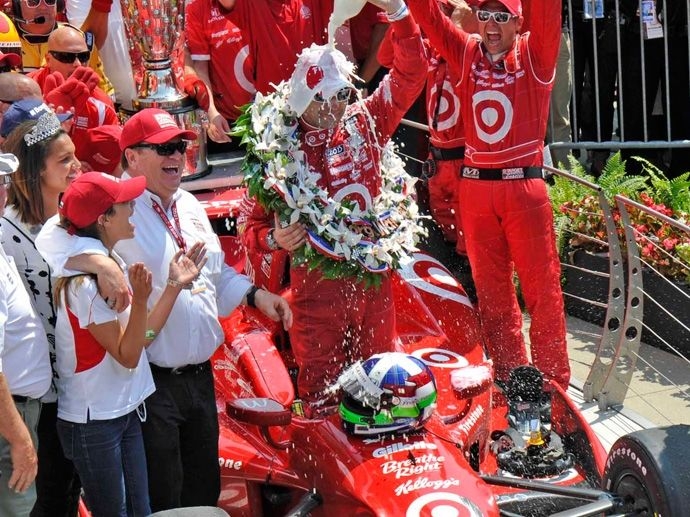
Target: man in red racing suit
505 83
338 321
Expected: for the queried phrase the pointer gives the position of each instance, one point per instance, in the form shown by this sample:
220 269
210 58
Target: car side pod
262 412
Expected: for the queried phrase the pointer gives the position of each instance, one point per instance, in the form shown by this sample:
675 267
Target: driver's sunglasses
35 3
499 17
167 149
342 95
69 57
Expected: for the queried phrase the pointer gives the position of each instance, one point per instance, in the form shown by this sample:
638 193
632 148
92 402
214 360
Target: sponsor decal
472 419
493 115
626 452
413 466
470 172
401 446
338 149
443 504
229 463
440 358
424 482
513 174
425 273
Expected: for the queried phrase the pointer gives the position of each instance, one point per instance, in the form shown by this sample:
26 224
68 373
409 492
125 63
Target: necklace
343 239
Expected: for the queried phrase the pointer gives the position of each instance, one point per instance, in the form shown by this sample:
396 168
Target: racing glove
196 89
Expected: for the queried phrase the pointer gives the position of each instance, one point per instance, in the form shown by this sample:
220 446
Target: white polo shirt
23 344
192 332
91 383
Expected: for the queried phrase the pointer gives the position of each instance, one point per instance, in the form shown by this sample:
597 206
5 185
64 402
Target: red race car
460 446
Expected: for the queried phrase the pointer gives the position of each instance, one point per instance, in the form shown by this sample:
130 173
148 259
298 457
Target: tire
650 471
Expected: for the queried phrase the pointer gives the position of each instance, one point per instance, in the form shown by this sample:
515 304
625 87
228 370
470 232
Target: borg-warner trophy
154 28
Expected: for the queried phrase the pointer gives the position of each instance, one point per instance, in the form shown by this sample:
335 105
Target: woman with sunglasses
505 81
47 166
104 375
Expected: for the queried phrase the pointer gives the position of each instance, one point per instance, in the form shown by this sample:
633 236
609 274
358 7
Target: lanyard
176 230
441 72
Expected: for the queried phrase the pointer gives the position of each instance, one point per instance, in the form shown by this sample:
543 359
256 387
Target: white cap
8 163
319 69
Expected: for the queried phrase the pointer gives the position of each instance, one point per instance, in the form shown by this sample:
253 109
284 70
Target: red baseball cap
93 194
10 59
153 126
102 148
513 6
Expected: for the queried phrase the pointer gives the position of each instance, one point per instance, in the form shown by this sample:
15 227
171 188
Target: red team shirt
213 37
277 31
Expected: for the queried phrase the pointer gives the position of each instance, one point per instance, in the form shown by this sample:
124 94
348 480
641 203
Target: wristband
251 294
150 335
398 15
174 283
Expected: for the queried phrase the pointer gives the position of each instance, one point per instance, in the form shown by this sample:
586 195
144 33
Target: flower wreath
342 239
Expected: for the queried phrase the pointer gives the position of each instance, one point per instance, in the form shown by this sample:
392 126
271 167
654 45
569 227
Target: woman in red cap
104 376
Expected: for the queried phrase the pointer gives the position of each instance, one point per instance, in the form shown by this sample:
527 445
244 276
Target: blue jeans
109 457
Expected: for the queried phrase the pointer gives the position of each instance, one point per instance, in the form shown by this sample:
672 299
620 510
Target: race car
477 449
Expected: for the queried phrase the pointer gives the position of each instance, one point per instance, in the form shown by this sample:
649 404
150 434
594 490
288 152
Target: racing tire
648 471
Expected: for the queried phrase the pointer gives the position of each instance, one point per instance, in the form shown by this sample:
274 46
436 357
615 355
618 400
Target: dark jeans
109 456
57 483
181 437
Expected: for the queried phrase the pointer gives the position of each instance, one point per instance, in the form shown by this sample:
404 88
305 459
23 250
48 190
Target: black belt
454 153
180 370
20 399
509 173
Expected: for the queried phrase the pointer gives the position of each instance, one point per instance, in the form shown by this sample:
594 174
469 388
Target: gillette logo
382 452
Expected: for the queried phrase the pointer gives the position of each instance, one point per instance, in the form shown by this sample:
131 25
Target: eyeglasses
35 3
69 57
342 95
499 17
5 179
167 149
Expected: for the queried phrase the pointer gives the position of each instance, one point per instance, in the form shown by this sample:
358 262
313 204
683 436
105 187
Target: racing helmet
391 392
9 37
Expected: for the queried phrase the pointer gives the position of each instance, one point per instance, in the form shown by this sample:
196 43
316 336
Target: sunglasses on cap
499 17
166 149
35 3
69 57
341 95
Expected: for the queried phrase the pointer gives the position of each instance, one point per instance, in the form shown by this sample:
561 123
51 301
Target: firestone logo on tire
625 452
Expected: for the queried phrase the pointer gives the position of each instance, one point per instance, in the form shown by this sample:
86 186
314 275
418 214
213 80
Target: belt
454 153
20 399
510 173
192 369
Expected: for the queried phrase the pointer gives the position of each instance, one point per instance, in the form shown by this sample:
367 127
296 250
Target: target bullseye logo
428 274
449 106
493 115
440 358
443 504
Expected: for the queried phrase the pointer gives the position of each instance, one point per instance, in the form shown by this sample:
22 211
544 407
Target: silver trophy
155 28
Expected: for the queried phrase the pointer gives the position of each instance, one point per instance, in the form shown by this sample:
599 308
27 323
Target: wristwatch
271 242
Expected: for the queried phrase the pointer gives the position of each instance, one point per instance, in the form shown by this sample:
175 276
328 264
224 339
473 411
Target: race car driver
337 321
505 81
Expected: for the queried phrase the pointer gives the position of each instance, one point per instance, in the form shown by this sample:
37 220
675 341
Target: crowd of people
112 274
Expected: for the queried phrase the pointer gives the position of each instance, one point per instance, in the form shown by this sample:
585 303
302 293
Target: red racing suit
336 322
507 220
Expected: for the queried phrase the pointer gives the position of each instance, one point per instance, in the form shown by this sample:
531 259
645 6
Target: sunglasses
499 17
69 57
35 3
5 179
342 95
167 149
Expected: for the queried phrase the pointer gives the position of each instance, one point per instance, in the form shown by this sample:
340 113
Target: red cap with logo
153 126
10 59
102 148
513 6
93 194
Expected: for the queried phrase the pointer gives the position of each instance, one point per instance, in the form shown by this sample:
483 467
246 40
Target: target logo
440 358
443 504
242 69
493 115
425 273
448 109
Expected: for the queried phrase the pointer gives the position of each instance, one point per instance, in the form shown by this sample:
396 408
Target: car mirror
262 412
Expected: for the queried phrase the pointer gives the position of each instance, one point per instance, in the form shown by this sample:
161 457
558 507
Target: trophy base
190 118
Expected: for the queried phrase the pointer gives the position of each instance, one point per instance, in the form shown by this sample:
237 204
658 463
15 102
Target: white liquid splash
343 10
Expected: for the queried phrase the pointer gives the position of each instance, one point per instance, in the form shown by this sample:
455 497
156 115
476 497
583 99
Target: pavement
658 395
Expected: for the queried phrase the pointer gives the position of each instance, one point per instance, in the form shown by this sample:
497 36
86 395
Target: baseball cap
319 69
10 59
513 6
102 148
8 164
26 109
154 126
94 193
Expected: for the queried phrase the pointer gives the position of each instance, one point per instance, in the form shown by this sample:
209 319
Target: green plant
580 222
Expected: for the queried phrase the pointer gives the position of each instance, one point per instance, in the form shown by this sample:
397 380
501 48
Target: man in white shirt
181 427
25 376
